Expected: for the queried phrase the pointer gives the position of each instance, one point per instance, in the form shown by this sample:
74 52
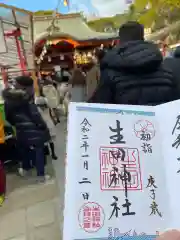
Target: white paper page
89 206
167 115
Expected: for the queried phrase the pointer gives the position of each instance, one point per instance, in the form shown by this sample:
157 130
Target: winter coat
62 89
46 117
92 80
31 130
42 105
132 73
78 93
50 92
66 102
78 78
173 64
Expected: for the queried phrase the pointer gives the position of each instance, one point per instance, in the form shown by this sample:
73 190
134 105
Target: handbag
2 183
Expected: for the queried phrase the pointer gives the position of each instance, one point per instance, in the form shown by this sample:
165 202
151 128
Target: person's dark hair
65 79
131 31
24 81
99 53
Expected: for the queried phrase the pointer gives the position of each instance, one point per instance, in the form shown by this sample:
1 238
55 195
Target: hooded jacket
173 64
177 52
31 130
132 73
78 78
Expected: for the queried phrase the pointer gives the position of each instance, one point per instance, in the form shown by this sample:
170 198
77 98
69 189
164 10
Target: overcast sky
99 7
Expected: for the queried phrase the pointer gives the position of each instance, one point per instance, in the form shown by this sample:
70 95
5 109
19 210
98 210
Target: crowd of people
34 118
34 132
133 72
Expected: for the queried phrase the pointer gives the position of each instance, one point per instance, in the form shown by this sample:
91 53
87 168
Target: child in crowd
41 102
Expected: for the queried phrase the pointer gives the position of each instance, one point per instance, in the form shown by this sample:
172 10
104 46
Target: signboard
3 47
123 171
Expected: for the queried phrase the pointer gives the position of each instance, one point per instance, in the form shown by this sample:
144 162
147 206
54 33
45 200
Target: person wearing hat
31 130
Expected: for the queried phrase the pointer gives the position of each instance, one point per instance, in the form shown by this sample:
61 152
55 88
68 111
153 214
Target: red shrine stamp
91 217
112 165
143 129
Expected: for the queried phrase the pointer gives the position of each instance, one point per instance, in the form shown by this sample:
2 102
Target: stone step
29 195
40 221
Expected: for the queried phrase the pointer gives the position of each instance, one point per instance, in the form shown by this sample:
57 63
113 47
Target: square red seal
114 163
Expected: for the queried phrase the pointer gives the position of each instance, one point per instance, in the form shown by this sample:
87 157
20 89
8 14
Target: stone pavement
35 212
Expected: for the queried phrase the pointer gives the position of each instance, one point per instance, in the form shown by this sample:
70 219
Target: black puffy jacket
173 64
31 130
132 73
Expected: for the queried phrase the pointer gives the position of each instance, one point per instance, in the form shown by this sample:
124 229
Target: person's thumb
169 235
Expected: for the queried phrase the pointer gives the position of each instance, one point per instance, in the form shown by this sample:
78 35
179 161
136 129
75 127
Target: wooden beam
50 17
91 44
15 8
53 55
8 66
16 71
12 23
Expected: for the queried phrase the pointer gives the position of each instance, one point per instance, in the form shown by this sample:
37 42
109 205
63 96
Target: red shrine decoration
17 35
